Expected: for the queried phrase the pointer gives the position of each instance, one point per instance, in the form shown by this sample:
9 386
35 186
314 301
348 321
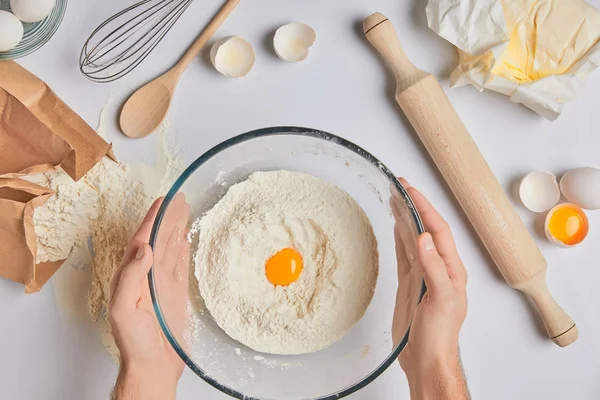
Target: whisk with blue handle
123 41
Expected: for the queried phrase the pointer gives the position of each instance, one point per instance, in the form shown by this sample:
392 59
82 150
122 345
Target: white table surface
342 88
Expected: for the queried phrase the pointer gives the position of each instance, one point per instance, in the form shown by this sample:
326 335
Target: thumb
434 269
133 278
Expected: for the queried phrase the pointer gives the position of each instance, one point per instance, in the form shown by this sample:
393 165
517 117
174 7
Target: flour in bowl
258 219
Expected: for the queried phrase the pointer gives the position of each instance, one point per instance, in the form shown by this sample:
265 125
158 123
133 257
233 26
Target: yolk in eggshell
568 224
284 267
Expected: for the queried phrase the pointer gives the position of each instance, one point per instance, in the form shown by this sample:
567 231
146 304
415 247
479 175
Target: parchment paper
500 42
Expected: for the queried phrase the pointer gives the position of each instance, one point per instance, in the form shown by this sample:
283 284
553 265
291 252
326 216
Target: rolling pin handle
559 325
381 34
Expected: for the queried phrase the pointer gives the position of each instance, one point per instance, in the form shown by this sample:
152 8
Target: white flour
93 238
63 222
122 203
126 193
256 219
106 205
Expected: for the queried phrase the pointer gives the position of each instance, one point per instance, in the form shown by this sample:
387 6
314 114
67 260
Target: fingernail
428 244
140 253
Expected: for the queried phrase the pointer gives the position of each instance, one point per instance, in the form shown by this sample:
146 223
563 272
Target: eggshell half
555 240
539 191
293 41
232 56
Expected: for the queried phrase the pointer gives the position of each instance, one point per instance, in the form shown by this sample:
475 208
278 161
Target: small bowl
35 34
370 347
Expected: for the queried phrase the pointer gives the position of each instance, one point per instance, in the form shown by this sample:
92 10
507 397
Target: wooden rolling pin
465 170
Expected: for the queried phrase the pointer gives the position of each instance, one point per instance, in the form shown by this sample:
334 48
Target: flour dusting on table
90 222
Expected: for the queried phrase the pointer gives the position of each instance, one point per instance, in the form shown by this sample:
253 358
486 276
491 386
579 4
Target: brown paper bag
27 146
38 132
18 199
87 147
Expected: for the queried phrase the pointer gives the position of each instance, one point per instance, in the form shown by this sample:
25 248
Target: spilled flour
90 222
70 212
125 194
256 219
122 204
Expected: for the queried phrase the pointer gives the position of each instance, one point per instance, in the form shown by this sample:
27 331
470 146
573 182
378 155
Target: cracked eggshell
232 56
581 186
539 191
292 41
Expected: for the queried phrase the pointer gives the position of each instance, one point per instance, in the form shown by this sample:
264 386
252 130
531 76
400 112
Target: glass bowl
370 347
35 34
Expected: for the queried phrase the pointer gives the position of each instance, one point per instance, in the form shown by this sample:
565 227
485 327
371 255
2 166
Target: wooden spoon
148 106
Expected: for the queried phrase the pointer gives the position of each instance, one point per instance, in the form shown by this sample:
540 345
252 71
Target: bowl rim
260 133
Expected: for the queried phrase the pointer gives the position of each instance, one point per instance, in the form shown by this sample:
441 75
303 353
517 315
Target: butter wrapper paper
536 52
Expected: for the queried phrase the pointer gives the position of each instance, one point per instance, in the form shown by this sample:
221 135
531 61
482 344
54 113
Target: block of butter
537 52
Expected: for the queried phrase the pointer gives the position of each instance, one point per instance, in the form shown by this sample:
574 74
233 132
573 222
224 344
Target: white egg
539 191
32 10
581 186
11 31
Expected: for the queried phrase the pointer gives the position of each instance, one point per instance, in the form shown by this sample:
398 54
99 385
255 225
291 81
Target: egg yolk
284 267
568 224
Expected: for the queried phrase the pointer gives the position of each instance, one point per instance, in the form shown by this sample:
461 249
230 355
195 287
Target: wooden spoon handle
206 34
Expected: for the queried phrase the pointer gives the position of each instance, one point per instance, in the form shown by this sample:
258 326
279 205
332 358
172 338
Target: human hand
150 368
431 358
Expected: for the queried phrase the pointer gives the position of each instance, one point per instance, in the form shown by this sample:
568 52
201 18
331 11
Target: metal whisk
124 40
